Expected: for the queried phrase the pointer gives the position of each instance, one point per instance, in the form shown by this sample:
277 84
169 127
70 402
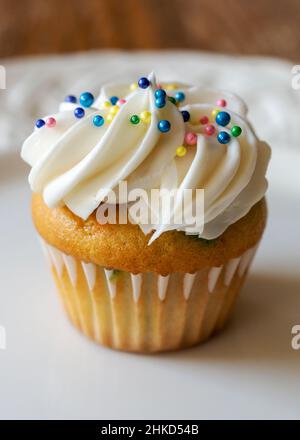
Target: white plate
49 370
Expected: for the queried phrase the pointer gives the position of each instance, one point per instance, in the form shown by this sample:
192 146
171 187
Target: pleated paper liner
147 312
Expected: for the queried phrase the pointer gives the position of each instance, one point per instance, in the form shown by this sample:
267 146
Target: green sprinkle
114 275
134 119
172 99
236 131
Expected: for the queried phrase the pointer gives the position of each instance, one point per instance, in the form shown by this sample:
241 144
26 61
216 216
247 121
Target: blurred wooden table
265 27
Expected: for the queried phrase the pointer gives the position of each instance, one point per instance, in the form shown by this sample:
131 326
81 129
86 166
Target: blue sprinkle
160 93
144 83
164 126
40 123
86 99
180 96
98 120
71 98
160 102
186 115
114 100
223 118
223 137
79 112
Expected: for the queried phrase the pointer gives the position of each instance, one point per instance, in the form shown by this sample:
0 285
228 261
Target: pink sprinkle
190 138
209 130
121 101
159 86
203 120
221 103
51 122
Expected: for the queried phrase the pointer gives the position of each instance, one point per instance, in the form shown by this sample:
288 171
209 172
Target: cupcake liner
147 312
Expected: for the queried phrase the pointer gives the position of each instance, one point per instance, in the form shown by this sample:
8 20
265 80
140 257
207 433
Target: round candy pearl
50 122
145 117
133 86
134 119
40 123
190 138
160 93
114 109
172 99
144 83
86 99
71 98
210 130
215 112
181 151
204 120
223 118
160 102
164 126
98 120
106 104
114 100
223 137
186 115
236 131
221 103
121 101
180 96
79 112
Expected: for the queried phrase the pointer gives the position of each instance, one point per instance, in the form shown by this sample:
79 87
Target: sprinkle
221 103
50 122
114 100
145 117
79 112
121 102
172 99
106 104
209 130
114 109
160 102
144 83
160 93
215 112
109 118
164 126
186 115
171 86
181 151
98 120
180 96
223 118
236 131
134 119
133 86
159 86
190 138
204 120
71 98
86 99
223 137
40 123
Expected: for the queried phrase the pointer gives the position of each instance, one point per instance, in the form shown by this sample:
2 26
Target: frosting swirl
76 163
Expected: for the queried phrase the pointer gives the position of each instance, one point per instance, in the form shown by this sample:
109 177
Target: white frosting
76 163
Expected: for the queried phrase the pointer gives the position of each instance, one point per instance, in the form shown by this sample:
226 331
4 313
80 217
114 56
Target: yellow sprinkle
109 118
171 86
145 117
106 104
215 112
114 109
133 86
181 151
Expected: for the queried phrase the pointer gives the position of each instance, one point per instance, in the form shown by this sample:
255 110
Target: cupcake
149 201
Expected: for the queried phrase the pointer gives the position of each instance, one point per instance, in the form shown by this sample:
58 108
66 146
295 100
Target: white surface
249 371
36 85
